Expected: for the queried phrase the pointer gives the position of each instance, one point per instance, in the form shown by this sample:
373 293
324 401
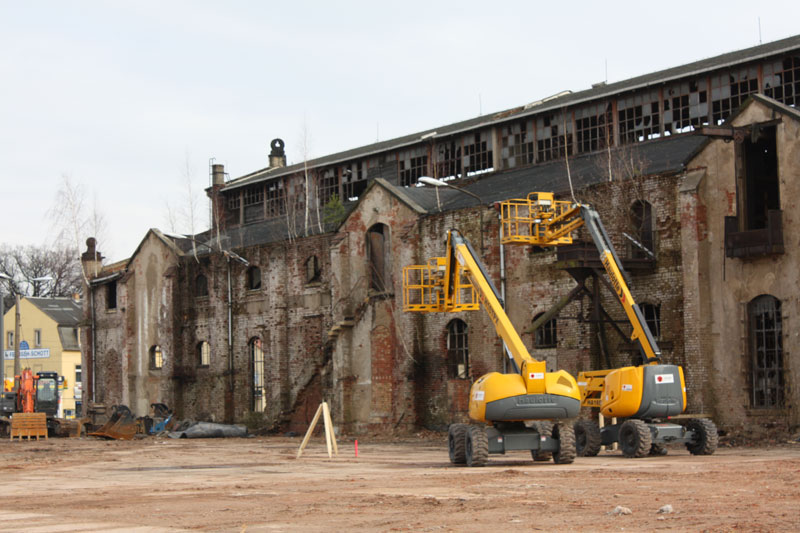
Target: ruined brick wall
724 286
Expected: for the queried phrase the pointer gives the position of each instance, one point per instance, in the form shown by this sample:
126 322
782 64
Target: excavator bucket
121 426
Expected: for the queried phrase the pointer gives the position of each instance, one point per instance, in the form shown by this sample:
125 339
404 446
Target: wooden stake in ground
330 438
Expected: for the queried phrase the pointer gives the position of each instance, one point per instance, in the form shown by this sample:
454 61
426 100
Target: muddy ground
257 484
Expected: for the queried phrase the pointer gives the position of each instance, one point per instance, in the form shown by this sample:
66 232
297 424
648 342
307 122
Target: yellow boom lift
640 396
499 404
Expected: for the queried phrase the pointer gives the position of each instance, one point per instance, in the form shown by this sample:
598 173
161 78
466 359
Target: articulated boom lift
499 403
640 394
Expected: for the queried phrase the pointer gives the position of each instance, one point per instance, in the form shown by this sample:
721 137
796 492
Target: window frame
457 349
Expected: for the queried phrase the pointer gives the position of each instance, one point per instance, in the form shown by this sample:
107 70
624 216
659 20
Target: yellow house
49 342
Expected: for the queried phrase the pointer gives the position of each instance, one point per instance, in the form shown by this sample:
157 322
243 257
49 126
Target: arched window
766 352
457 350
546 334
313 270
642 229
253 278
378 257
257 360
156 358
203 354
652 316
201 285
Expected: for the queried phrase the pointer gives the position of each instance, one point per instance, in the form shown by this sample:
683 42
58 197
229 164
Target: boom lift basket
423 289
539 220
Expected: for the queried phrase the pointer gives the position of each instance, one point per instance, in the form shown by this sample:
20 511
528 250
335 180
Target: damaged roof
567 98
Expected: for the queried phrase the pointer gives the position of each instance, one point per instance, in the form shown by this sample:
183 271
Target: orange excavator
26 391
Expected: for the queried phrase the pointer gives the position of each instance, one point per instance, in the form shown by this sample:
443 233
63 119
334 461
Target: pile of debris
122 425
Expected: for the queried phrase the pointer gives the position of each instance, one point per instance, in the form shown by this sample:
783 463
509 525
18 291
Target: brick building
295 293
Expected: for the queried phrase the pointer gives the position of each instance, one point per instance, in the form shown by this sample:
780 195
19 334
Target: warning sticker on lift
627 387
536 375
477 395
665 378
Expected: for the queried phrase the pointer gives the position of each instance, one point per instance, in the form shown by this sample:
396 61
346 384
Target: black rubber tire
476 450
565 433
588 440
706 436
658 449
456 443
542 428
635 438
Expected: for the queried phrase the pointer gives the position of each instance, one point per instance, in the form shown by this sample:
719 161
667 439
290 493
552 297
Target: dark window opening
642 229
594 127
478 154
766 353
253 278
276 198
759 185
517 145
639 117
652 317
354 180
547 334
234 204
730 89
156 358
551 140
448 160
257 360
457 350
203 354
328 186
412 165
378 257
111 295
313 270
201 285
253 203
782 80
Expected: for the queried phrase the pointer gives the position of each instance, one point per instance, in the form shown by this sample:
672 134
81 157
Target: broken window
642 229
378 257
448 160
757 183
253 278
652 317
354 180
111 295
411 165
10 340
201 286
517 140
594 128
313 270
257 360
203 354
782 80
156 358
276 198
328 186
253 203
766 352
639 117
478 153
457 350
685 106
730 89
234 203
551 140
547 334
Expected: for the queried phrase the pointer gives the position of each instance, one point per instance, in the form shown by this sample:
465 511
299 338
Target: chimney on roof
277 157
218 174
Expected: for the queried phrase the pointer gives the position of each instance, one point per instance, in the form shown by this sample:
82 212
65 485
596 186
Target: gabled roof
63 311
567 98
783 109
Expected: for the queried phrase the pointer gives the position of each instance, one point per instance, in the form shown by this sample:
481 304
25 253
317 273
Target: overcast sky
127 98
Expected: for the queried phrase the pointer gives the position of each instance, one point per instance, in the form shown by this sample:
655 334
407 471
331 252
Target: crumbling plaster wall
723 287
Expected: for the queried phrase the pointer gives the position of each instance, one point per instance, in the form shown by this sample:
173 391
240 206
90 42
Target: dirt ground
257 484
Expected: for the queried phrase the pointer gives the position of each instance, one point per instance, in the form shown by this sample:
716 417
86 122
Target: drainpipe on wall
94 347
229 406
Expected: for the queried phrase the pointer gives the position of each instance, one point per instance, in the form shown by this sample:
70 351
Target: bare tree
305 149
72 222
183 218
40 271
